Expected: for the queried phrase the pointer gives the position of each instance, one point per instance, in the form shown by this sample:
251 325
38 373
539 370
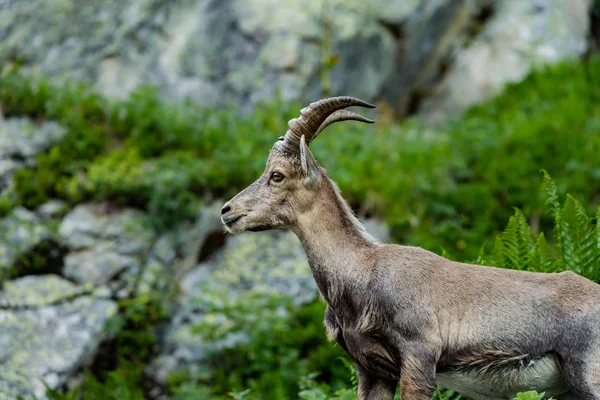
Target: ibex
406 315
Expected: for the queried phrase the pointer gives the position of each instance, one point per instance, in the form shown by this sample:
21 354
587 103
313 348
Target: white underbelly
541 375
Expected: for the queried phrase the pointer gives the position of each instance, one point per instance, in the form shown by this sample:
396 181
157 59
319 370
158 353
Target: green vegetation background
450 189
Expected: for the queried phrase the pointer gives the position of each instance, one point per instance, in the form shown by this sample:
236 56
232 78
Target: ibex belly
541 374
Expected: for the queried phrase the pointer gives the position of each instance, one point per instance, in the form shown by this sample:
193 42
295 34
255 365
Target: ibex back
405 315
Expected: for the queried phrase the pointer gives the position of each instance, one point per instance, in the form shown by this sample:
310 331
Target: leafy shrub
282 343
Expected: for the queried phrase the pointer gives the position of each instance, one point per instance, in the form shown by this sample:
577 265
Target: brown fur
404 314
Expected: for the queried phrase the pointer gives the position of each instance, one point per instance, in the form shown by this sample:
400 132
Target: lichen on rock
49 329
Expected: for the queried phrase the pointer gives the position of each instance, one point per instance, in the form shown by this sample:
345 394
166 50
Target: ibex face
292 176
274 200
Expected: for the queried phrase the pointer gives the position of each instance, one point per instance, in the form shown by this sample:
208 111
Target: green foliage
577 246
121 384
145 152
311 390
283 343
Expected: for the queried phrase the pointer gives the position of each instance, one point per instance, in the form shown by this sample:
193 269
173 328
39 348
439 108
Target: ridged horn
314 118
341 115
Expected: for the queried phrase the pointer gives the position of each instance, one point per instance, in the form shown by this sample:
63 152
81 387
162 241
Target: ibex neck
336 244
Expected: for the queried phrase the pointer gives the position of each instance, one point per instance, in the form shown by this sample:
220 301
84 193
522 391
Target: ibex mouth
231 220
260 228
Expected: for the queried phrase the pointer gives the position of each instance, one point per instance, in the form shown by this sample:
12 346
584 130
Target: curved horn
312 117
341 115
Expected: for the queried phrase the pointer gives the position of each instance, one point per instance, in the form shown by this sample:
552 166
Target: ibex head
292 177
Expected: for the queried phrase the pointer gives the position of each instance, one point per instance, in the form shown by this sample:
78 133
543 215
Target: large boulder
269 262
517 37
49 329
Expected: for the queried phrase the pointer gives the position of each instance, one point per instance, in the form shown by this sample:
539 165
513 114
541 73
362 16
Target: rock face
519 36
272 262
222 52
49 328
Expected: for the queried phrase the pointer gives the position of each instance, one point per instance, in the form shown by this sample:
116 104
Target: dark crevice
480 20
594 34
414 102
213 242
396 29
46 257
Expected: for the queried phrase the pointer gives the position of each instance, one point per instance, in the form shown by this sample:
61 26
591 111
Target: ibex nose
225 209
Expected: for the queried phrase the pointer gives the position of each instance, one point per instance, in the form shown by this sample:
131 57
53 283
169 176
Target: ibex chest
373 351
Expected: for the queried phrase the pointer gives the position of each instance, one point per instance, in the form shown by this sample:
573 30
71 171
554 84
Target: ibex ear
309 166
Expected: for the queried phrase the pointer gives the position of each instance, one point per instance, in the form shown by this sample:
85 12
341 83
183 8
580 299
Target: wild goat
404 314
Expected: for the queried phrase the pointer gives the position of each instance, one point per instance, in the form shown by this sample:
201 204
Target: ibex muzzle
406 315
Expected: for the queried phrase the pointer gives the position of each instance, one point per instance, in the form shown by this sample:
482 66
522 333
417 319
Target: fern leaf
515 247
549 188
544 258
579 250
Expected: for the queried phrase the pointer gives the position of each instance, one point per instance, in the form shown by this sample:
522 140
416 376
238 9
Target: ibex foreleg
417 374
374 388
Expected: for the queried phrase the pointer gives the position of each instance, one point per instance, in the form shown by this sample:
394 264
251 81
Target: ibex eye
277 176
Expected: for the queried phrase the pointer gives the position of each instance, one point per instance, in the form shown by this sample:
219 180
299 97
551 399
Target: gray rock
269 262
164 249
215 51
20 141
21 231
99 264
110 247
378 229
52 209
81 227
21 138
129 229
520 36
49 328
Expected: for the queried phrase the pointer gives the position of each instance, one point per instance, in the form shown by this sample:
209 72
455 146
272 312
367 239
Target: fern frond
579 249
544 257
549 189
514 248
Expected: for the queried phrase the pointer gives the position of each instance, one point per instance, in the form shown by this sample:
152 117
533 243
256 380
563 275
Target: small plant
529 396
